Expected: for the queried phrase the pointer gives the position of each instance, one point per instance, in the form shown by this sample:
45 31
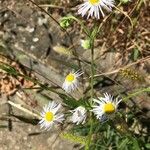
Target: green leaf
8 69
136 145
123 144
69 101
73 103
124 1
135 54
147 145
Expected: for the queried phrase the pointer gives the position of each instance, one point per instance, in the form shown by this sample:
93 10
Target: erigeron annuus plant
92 112
84 113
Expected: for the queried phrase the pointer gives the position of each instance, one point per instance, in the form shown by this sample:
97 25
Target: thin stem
136 93
92 70
87 147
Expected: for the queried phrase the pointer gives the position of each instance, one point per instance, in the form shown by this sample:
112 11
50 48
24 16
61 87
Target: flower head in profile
71 81
94 7
50 115
79 115
105 107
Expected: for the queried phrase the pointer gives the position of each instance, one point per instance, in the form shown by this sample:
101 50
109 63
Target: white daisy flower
105 106
50 115
94 7
79 115
71 82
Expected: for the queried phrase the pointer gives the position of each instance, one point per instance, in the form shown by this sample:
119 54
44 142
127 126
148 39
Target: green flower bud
65 22
86 44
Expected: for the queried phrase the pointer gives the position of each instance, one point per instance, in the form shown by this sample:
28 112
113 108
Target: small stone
30 29
6 15
42 21
35 39
25 138
32 47
24 40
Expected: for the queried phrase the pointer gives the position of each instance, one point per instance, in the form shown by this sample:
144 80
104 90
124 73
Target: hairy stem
92 94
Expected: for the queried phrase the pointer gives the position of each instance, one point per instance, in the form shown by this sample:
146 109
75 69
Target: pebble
30 29
35 39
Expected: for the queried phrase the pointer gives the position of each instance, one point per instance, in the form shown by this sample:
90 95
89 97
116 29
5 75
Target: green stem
92 70
136 93
87 147
92 38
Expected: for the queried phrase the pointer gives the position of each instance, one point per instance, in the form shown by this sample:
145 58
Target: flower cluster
103 108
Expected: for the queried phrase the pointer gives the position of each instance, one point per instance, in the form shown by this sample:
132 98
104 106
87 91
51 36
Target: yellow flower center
49 116
109 108
93 2
70 77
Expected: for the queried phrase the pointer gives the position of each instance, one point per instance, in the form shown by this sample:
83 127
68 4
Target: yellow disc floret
94 1
109 108
49 116
70 77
